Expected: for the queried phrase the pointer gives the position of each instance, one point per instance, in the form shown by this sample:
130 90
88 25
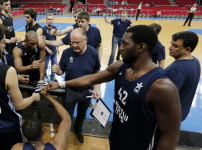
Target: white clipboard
100 112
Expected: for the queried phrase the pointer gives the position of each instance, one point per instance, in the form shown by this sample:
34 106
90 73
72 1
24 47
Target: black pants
7 141
190 17
138 12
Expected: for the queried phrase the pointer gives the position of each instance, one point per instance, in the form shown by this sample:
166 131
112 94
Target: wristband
62 84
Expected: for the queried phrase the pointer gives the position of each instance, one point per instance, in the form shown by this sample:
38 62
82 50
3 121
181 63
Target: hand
12 40
35 64
52 85
23 79
96 94
55 68
18 39
36 96
44 92
53 31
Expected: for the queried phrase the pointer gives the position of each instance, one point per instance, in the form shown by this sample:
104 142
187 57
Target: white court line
52 130
19 29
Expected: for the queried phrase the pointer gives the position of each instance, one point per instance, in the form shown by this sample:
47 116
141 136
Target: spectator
128 8
94 10
147 4
121 8
58 10
45 11
159 13
87 6
114 10
98 11
116 2
50 9
123 3
132 9
152 5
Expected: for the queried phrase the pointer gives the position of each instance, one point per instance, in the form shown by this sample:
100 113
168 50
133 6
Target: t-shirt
28 146
46 32
158 52
75 65
192 9
93 35
185 74
120 27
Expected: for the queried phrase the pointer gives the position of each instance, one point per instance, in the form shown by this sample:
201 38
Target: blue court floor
194 119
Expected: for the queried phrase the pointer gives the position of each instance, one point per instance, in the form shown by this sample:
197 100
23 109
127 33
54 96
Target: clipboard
100 112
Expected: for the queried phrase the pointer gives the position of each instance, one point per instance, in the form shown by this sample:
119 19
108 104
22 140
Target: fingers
40 60
55 30
55 68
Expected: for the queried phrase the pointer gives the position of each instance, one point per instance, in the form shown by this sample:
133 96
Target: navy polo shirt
93 35
185 74
75 65
46 32
120 27
158 53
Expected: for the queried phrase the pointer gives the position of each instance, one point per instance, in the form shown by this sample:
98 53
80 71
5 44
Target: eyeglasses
77 42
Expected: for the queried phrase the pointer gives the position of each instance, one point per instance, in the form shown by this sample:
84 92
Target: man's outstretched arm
61 138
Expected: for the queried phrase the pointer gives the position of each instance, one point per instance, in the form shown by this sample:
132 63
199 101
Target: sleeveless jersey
10 120
34 28
134 124
28 146
8 22
27 59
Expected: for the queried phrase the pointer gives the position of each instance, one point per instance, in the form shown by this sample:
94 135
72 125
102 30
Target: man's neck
188 56
50 27
32 25
38 145
86 29
5 13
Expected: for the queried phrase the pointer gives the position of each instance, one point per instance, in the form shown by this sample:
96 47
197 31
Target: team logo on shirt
71 59
118 22
10 29
120 73
47 31
138 87
36 50
3 18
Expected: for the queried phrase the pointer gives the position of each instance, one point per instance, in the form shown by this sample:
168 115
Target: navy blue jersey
75 65
28 146
134 125
185 74
27 59
158 52
93 35
120 27
34 28
46 32
10 120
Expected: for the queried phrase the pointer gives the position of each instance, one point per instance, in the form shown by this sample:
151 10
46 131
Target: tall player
7 20
147 112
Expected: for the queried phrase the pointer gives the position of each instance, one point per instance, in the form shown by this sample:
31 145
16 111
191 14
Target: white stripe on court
52 130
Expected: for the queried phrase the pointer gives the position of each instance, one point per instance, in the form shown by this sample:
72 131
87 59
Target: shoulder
17 146
41 44
92 50
38 25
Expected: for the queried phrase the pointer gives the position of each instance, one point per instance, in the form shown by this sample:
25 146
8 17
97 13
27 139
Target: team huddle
150 102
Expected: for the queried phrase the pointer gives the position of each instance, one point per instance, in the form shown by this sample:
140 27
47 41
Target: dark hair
3 1
190 39
144 34
157 27
32 129
31 11
84 15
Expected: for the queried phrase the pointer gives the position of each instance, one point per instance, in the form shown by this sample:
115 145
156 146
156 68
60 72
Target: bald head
31 35
78 32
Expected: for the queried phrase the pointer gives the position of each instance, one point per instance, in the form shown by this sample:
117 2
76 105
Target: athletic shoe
53 79
183 25
189 25
80 137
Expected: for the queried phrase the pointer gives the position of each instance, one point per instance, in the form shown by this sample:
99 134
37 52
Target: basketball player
32 130
69 28
120 26
147 113
191 11
185 70
10 100
11 40
29 57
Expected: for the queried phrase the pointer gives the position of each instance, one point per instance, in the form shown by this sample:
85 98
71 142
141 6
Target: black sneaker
183 25
189 25
80 137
